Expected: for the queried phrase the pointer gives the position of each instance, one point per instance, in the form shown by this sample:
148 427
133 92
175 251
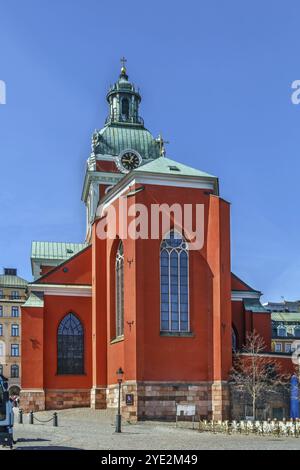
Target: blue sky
216 80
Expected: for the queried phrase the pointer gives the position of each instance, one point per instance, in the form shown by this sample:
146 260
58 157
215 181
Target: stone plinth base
98 398
32 400
149 400
220 397
62 399
158 400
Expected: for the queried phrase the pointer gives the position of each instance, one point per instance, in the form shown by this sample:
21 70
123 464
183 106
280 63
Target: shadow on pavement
21 439
54 447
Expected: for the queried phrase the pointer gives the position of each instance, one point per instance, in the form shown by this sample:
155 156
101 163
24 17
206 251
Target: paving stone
83 428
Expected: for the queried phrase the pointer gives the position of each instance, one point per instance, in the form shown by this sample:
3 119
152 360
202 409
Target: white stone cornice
62 289
240 295
161 180
99 177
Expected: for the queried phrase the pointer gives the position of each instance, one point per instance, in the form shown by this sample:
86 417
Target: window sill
118 339
180 334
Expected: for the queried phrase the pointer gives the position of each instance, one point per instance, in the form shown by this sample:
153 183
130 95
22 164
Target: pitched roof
12 281
164 165
255 306
55 250
285 316
238 284
34 301
67 275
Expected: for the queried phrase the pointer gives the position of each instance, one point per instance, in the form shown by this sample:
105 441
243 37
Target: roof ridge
166 162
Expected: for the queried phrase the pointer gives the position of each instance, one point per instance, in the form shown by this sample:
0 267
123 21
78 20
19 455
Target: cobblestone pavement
88 429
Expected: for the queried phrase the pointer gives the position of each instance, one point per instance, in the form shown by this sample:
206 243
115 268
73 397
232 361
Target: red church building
168 315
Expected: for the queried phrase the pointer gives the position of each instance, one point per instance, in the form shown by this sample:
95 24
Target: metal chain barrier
33 418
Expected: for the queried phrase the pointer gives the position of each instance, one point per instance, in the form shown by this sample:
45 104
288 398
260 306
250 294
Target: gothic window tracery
120 290
174 287
70 346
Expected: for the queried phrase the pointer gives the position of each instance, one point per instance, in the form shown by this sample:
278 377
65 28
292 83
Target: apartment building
12 296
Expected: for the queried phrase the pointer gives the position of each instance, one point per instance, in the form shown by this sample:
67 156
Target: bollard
55 420
20 416
31 417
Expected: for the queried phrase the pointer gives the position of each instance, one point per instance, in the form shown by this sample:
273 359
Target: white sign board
186 410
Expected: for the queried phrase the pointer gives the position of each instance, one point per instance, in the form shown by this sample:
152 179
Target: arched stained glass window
120 291
70 346
174 288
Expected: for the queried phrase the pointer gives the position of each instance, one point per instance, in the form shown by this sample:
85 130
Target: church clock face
128 160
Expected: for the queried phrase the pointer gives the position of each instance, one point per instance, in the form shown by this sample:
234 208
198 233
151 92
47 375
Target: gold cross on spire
161 142
123 61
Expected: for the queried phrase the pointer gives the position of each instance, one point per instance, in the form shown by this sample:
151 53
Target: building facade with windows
12 296
285 331
166 313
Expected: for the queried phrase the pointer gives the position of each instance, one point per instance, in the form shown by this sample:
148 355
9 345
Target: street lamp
120 374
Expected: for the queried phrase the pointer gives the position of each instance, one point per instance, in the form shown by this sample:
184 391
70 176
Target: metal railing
270 427
12 297
122 118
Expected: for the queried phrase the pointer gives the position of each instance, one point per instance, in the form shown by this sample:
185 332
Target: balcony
124 119
13 298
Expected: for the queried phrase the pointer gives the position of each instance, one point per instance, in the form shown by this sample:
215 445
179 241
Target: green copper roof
12 281
254 305
34 301
113 139
55 250
167 166
285 317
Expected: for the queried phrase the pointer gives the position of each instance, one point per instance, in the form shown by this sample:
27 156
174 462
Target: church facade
166 312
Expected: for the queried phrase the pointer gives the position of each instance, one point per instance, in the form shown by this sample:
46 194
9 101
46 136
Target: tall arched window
70 346
174 288
120 290
125 108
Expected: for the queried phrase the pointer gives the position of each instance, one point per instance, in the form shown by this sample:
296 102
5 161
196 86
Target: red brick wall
32 347
55 308
144 354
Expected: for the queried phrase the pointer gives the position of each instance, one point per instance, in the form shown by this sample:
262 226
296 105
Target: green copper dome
124 128
114 139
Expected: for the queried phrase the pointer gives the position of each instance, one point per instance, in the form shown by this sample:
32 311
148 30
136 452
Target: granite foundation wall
98 398
156 400
32 400
220 398
61 399
271 405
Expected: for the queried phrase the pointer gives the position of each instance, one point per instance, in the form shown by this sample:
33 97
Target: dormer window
281 330
297 331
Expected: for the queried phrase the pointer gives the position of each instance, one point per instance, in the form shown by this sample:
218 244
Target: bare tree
254 373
